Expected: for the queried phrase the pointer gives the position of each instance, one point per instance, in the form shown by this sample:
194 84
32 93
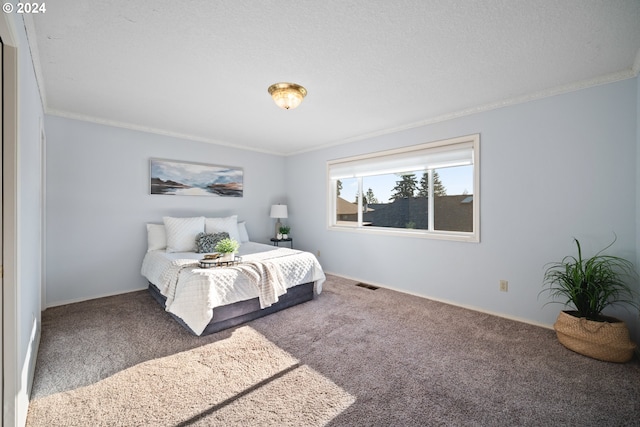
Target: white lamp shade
279 211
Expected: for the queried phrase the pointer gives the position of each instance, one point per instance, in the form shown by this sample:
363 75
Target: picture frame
182 178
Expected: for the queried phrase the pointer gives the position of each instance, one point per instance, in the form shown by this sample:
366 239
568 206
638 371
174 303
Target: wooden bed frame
227 316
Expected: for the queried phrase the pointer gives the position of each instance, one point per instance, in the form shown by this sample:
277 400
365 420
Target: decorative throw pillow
242 230
228 224
156 237
206 242
182 232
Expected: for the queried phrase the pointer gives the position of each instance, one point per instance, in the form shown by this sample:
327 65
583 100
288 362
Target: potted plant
284 230
590 285
228 248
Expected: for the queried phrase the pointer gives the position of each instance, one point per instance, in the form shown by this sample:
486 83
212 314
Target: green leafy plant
227 245
591 284
285 229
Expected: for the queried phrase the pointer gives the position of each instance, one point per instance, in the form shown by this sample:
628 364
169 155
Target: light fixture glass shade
279 211
287 95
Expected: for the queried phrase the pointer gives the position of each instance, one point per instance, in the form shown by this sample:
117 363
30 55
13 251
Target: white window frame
355 163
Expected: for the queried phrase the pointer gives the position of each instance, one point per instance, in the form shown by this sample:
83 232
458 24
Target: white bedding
193 292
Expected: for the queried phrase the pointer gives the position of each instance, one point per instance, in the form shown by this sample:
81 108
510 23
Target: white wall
27 287
98 202
30 205
551 169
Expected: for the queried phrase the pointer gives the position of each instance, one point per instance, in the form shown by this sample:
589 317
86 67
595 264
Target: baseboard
444 301
75 300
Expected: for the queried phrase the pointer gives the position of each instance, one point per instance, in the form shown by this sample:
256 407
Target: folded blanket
170 277
266 276
268 279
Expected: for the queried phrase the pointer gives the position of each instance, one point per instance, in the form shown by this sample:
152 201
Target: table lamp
278 212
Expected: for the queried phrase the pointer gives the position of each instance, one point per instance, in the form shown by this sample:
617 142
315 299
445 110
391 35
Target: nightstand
276 242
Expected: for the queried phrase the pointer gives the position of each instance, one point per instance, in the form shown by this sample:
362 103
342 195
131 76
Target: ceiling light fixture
287 95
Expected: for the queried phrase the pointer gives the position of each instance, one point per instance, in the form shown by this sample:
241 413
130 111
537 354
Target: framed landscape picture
178 178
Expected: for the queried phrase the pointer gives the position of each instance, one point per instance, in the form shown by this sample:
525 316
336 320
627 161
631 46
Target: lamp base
278 225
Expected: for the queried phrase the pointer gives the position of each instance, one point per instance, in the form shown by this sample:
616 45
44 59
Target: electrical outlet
504 286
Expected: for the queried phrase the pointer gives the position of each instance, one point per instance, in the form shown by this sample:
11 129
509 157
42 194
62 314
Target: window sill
420 234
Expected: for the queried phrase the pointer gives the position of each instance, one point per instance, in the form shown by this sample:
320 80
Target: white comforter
193 292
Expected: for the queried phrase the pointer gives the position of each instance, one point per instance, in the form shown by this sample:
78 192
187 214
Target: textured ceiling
200 69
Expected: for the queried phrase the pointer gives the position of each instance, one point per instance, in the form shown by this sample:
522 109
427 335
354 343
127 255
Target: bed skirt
227 316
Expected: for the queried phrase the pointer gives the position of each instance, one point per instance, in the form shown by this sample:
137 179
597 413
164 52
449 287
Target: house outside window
429 190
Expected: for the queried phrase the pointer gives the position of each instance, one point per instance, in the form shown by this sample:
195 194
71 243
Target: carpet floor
351 357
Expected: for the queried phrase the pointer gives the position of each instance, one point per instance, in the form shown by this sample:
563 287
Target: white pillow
182 232
228 224
156 237
242 230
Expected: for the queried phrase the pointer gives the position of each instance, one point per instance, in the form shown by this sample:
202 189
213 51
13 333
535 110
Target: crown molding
156 131
559 90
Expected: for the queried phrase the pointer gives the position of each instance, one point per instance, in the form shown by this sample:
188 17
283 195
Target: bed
207 300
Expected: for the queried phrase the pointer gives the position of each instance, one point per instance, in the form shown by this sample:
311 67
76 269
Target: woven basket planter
608 341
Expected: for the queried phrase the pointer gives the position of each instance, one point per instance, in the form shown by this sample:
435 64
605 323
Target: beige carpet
241 380
351 357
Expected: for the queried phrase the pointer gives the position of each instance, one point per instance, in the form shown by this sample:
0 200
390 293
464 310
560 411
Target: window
428 190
